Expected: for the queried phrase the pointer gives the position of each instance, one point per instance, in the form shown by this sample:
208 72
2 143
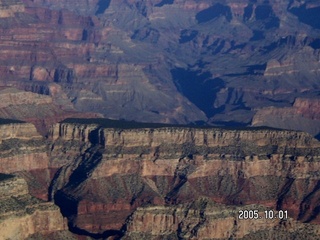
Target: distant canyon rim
245 63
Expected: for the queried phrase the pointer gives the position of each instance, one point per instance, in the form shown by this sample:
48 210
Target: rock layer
22 215
150 61
130 180
117 170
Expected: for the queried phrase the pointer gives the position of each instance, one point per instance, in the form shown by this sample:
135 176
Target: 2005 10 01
267 214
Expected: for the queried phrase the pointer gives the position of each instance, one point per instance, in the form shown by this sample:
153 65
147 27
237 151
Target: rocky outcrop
22 215
304 110
206 220
118 170
22 148
24 152
125 179
41 110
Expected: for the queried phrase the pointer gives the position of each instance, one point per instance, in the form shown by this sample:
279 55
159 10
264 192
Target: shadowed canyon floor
165 182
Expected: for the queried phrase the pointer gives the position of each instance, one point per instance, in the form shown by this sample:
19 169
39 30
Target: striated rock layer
150 60
150 181
22 215
203 219
106 173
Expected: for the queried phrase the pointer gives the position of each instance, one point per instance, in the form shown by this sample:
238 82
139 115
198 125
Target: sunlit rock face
147 182
22 215
176 61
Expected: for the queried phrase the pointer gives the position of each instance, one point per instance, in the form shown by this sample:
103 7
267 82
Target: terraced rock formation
118 174
181 61
22 215
133 180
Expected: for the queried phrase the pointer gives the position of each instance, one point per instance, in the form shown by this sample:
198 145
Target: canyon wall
120 180
206 220
22 215
150 61
132 181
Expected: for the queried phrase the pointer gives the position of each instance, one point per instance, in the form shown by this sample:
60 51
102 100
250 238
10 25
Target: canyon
150 61
116 179
159 119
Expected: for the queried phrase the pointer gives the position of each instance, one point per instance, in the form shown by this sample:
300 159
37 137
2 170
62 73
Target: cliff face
40 109
22 148
22 215
101 184
112 179
205 220
303 115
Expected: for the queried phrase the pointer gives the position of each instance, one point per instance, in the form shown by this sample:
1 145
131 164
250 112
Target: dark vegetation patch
186 35
142 8
84 35
102 6
214 12
164 2
122 124
309 16
4 177
8 121
263 12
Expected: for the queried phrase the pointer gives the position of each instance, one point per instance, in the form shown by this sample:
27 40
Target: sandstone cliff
206 220
130 180
303 115
102 183
22 215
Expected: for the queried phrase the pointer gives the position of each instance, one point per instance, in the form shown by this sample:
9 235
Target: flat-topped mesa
122 165
207 137
171 137
12 96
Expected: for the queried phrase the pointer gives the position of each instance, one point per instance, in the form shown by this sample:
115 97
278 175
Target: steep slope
39 109
107 173
22 215
176 61
155 181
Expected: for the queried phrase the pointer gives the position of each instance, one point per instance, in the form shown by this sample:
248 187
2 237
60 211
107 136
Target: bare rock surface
181 61
117 179
130 182
22 215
